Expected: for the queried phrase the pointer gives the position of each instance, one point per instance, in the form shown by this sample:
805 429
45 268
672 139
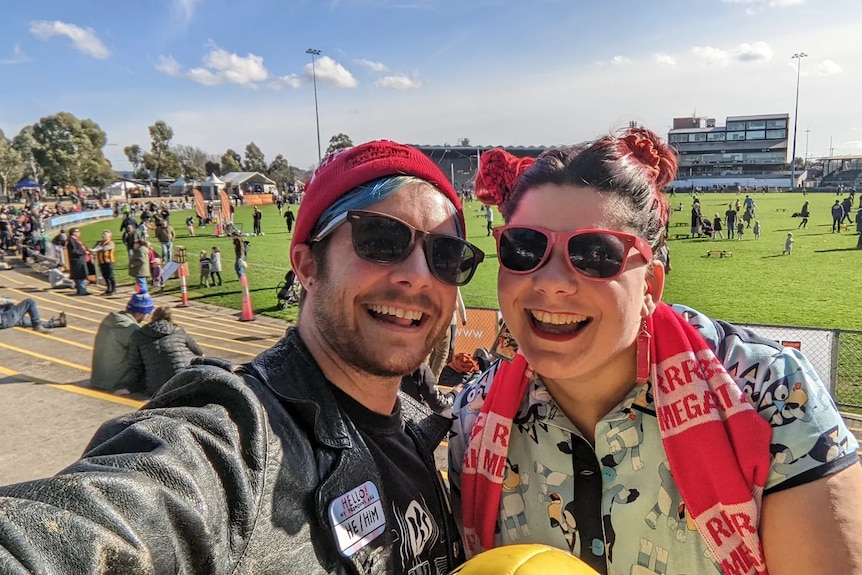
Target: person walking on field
837 216
730 217
289 219
804 214
166 234
257 216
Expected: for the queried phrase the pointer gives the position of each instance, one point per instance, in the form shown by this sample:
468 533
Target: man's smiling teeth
396 311
557 318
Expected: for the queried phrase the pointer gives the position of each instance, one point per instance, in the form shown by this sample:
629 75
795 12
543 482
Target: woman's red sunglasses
594 254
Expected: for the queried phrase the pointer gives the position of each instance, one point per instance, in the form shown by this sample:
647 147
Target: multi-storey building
745 147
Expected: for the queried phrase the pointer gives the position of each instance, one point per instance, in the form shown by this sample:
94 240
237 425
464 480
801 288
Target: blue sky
500 72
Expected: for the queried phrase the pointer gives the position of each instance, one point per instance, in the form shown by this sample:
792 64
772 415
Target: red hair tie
661 167
498 175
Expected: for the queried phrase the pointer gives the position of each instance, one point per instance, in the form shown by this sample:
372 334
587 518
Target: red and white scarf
719 458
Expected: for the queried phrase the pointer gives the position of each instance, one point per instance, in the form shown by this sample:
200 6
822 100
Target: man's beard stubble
349 345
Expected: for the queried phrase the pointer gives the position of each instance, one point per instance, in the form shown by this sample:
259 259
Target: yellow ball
532 559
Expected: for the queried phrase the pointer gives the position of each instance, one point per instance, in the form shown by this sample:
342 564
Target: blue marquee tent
28 184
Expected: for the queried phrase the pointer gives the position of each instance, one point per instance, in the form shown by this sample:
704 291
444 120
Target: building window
679 137
776 123
699 137
732 126
757 125
735 136
715 136
757 135
776 134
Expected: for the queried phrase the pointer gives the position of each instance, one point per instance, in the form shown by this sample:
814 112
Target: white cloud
828 68
184 10
400 82
618 60
167 65
785 3
754 52
711 56
18 56
375 66
663 59
853 144
331 73
289 81
84 39
220 67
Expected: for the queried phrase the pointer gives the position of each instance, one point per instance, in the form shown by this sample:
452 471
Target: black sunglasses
384 240
599 255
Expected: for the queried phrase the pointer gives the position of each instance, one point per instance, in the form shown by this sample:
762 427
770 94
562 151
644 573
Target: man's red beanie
344 170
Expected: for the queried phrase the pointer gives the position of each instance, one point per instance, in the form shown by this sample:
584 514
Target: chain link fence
836 354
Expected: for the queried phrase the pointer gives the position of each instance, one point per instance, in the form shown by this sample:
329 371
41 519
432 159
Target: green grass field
816 286
813 287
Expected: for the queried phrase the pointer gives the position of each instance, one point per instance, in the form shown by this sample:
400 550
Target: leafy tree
161 160
338 142
136 157
69 151
212 167
11 164
231 162
193 162
254 160
25 144
279 170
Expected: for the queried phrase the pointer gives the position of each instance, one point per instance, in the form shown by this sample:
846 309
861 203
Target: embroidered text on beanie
344 170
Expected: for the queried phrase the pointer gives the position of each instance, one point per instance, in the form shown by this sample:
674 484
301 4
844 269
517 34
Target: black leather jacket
217 474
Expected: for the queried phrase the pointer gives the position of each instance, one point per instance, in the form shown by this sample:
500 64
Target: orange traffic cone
183 286
247 312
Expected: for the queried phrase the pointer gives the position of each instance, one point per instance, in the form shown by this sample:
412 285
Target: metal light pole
314 53
798 57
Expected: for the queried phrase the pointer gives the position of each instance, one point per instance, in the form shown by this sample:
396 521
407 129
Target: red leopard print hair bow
498 175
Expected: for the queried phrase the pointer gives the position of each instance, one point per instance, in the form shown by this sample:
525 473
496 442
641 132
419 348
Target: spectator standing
215 266
443 351
257 215
158 351
489 219
59 245
79 255
847 206
166 234
716 227
139 263
239 251
205 267
130 236
26 314
190 226
804 214
696 218
5 232
289 218
110 365
730 217
757 229
106 258
837 216
740 229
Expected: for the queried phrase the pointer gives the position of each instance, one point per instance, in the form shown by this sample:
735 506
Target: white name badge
357 518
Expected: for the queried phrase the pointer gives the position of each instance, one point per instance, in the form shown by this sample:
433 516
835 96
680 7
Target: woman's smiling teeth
559 322
394 314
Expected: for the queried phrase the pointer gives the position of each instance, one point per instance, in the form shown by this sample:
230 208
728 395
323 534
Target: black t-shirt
416 514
